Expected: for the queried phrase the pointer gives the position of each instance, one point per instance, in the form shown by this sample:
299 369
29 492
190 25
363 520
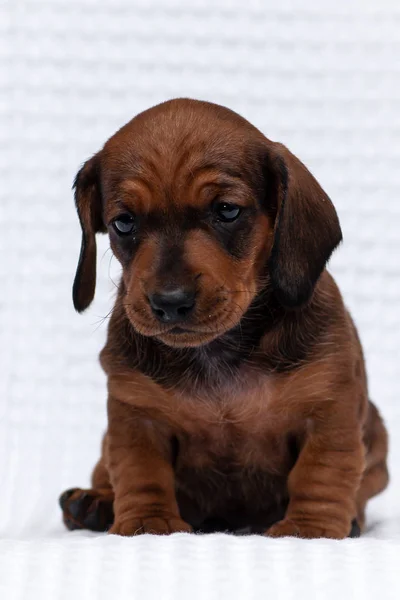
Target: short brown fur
254 415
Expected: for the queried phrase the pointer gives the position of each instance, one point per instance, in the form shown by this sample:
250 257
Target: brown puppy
237 394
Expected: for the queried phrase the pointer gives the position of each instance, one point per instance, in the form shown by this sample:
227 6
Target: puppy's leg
90 508
100 475
375 477
324 481
141 472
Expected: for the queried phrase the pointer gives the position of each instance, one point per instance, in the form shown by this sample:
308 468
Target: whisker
102 319
105 252
109 268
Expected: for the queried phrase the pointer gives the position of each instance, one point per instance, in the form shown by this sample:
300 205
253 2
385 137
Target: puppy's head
203 212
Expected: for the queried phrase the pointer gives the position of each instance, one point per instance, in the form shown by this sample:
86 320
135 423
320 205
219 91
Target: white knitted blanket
323 78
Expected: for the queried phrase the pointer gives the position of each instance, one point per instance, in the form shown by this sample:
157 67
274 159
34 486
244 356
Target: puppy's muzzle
172 306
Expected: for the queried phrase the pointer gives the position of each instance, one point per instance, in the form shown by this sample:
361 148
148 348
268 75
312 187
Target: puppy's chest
236 430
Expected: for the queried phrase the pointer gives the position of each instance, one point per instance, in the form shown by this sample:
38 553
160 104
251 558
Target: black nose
172 306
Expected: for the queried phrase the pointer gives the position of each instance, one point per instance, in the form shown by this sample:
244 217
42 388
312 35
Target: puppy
237 393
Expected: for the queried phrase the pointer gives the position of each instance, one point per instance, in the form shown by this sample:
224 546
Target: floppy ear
306 232
89 207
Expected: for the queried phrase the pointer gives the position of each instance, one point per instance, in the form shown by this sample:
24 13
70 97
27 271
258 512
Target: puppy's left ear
306 230
89 206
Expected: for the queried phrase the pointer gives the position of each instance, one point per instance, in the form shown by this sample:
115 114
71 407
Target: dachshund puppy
237 393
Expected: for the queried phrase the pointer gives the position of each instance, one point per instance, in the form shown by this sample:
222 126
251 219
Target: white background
321 77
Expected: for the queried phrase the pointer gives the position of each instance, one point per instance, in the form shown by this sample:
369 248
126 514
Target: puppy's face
188 230
192 197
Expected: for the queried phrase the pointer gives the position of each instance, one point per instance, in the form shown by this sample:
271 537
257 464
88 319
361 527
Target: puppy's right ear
89 206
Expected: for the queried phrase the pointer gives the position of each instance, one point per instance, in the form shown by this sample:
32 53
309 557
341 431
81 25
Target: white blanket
324 78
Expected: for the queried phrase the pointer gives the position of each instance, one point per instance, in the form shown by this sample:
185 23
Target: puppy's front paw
157 525
291 528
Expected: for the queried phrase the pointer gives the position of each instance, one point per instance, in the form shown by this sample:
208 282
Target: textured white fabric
322 77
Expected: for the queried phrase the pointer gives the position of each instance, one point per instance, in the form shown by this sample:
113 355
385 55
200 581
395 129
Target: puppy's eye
124 224
227 212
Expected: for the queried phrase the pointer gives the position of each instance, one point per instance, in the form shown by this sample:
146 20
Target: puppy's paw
87 509
157 525
291 528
